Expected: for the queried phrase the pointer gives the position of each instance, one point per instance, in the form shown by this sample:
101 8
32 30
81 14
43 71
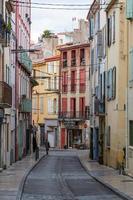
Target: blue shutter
129 9
110 84
131 66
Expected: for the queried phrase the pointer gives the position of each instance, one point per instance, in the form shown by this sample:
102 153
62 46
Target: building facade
6 9
129 119
46 98
23 102
97 38
74 98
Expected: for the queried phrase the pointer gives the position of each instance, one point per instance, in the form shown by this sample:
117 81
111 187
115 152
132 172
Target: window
91 29
64 59
65 82
50 106
111 84
73 107
50 67
131 133
73 81
92 61
82 56
109 31
64 107
55 106
41 104
73 58
82 107
82 80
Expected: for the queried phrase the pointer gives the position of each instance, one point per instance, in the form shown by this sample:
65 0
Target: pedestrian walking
47 146
37 137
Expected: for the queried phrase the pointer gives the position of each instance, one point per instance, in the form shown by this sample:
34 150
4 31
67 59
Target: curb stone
21 186
116 191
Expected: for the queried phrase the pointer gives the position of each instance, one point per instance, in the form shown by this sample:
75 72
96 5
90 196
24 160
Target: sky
55 20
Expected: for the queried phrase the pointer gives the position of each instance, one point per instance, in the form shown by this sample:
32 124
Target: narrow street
60 176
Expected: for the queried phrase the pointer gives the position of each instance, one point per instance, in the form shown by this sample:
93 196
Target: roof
94 7
72 46
49 59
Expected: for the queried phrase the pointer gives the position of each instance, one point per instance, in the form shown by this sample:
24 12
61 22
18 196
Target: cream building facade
129 119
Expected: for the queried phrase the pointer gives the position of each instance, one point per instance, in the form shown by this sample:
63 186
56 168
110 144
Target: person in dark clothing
34 143
47 146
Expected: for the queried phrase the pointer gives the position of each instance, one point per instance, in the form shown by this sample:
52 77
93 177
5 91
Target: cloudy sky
55 20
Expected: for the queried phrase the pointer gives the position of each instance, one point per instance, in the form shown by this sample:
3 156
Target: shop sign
70 125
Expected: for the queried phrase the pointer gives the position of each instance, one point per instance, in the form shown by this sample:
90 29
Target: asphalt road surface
60 176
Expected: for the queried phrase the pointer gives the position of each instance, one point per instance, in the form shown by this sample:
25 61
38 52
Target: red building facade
74 97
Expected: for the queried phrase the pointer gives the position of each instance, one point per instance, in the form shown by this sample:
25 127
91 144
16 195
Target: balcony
82 87
5 95
77 115
26 105
25 61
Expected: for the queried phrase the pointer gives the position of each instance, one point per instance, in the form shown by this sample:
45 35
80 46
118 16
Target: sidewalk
122 185
11 180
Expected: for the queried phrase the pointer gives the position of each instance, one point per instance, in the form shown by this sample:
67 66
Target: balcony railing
72 115
73 87
82 87
25 60
5 95
26 105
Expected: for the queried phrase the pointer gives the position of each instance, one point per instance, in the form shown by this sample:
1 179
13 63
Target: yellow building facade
116 73
45 98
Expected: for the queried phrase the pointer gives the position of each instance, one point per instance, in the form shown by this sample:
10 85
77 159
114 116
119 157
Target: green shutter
129 9
131 65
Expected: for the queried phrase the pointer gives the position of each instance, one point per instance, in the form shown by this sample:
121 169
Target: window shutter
99 44
64 104
111 85
114 83
129 9
91 27
113 26
131 66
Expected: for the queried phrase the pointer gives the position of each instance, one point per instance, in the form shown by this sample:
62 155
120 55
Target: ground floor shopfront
73 134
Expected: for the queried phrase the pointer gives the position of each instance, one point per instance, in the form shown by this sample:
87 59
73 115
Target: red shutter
62 137
82 105
64 104
82 76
